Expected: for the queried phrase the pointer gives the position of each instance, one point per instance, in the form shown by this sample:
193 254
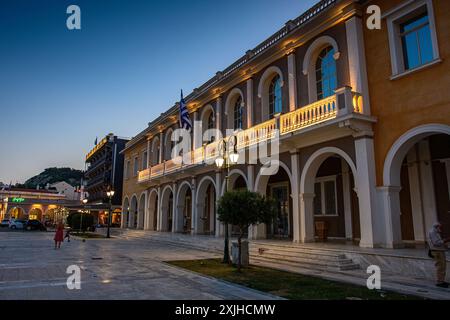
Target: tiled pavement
111 269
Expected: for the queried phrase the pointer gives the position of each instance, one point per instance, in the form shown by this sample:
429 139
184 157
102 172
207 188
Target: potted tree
244 208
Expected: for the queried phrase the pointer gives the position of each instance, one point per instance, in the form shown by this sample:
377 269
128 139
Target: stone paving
30 268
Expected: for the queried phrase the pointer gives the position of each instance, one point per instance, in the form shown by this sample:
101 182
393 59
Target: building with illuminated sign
345 105
43 205
104 169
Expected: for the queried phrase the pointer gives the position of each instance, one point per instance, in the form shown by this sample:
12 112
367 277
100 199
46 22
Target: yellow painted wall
131 185
415 99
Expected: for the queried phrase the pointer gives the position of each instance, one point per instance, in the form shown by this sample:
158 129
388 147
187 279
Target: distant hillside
52 175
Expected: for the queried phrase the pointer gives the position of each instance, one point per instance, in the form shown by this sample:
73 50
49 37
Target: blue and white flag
185 120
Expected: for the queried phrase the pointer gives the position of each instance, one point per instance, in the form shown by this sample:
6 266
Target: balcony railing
343 102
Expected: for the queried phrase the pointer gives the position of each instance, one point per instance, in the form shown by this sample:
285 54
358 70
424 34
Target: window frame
135 166
396 17
322 181
319 59
273 99
238 105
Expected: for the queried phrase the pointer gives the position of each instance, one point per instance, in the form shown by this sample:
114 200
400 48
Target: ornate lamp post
228 156
110 194
85 200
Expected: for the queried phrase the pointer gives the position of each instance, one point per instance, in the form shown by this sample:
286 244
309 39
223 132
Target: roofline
250 55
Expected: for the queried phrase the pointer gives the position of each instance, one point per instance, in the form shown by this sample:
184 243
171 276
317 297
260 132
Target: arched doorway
416 188
167 209
278 186
141 212
152 223
17 213
184 209
35 214
133 213
206 206
328 198
236 181
125 213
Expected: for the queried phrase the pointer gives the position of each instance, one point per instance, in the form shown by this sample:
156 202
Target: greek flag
185 121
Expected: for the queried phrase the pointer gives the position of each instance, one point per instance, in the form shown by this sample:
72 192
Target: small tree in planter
243 209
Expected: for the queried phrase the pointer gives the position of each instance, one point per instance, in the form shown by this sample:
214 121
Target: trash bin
235 253
322 230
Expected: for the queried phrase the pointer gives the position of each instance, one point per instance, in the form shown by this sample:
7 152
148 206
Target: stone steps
292 255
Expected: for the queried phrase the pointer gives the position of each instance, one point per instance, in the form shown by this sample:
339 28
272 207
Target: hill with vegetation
52 175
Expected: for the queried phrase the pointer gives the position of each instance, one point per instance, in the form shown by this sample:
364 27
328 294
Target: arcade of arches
324 186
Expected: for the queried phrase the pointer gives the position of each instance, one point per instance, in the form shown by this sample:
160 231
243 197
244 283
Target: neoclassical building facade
321 94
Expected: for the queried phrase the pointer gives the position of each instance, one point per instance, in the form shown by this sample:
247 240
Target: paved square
30 268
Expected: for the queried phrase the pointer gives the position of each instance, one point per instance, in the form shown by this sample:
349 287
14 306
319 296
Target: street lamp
110 194
228 156
85 200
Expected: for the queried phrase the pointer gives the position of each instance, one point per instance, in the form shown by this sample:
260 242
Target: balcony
342 103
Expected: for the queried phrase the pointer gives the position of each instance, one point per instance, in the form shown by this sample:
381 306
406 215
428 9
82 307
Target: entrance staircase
285 254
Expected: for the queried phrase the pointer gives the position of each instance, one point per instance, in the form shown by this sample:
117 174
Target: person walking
438 246
59 235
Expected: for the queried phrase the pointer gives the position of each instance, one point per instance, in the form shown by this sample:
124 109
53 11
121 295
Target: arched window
275 96
326 81
210 124
237 111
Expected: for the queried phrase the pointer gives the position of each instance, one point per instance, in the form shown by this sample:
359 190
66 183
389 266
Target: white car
16 224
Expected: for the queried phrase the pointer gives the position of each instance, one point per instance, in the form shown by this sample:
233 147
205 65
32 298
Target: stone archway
184 220
319 186
132 221
410 174
17 213
35 214
166 210
141 212
278 185
152 218
206 206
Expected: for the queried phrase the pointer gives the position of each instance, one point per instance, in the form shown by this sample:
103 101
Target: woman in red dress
59 235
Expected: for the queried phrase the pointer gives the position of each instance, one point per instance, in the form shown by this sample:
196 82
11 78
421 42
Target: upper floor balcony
343 103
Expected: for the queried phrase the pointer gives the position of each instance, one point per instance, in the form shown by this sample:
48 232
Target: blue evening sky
59 89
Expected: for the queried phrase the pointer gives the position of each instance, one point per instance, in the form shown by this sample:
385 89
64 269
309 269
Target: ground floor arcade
329 185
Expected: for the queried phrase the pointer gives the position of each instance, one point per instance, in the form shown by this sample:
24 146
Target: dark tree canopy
52 175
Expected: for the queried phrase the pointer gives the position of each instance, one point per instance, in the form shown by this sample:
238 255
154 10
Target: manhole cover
97 258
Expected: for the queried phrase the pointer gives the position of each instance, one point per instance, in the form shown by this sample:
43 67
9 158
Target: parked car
35 225
16 224
4 223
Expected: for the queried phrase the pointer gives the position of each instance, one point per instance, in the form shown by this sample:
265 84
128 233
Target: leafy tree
244 208
74 221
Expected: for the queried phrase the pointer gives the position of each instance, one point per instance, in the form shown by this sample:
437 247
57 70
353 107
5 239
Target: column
391 204
249 103
195 218
219 225
295 189
161 147
219 115
347 195
306 217
415 195
365 184
175 216
292 81
148 153
427 184
447 170
357 60
197 135
159 213
146 212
